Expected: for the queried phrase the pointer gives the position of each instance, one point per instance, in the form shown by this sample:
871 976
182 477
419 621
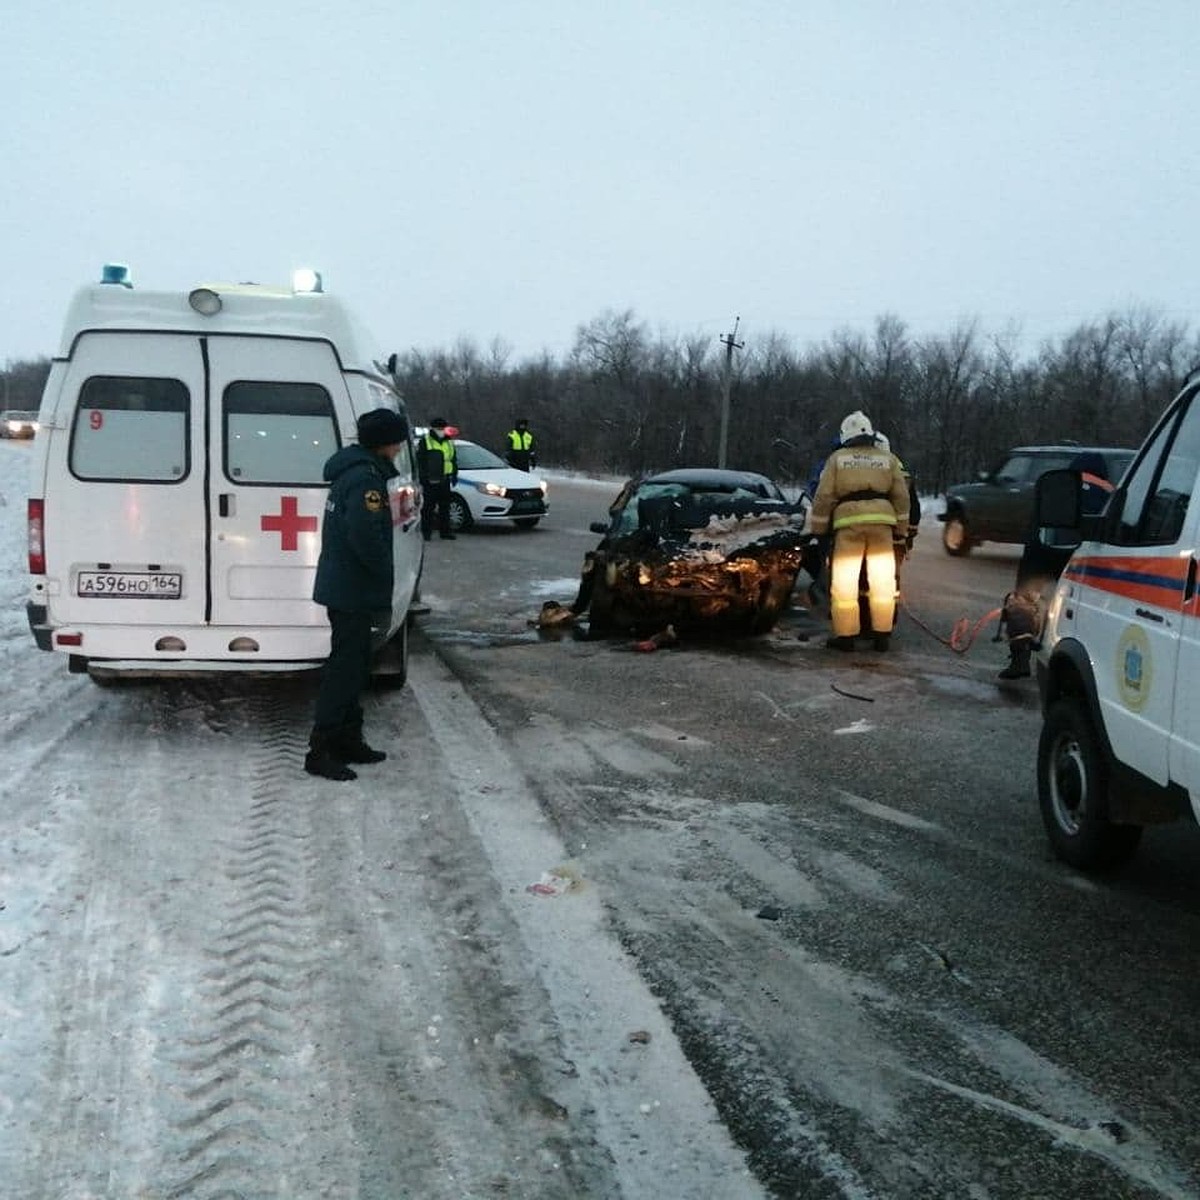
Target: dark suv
999 506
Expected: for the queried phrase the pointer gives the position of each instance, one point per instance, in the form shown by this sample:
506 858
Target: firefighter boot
845 644
350 747
883 642
322 759
1018 661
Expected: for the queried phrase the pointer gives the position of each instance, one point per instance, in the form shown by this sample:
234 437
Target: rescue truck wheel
956 536
1073 783
460 514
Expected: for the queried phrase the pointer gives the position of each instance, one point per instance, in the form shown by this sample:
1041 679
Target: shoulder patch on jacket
373 499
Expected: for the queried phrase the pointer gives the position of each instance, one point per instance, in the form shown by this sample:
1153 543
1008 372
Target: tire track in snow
244 1078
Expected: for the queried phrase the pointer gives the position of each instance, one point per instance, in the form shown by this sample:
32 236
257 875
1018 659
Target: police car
176 485
1120 654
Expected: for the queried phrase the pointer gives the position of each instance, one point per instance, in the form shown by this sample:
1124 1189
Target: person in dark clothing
438 464
1040 567
520 452
354 583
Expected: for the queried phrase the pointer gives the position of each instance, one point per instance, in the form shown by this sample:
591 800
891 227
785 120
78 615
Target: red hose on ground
962 636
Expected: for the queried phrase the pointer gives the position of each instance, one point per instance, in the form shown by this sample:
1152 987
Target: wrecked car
708 552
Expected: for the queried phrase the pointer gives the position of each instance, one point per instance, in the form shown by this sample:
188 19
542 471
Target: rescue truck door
273 407
127 458
1132 602
1185 731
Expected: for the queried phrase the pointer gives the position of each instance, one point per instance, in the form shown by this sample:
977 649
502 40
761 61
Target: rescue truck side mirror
1058 501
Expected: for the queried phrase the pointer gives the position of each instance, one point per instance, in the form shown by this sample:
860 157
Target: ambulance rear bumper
153 650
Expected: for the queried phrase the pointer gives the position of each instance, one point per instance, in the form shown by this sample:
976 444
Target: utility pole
730 342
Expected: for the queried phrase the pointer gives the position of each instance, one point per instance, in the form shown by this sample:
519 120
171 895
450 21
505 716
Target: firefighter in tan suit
862 501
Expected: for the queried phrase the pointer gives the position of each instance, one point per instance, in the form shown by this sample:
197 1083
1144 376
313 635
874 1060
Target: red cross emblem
289 523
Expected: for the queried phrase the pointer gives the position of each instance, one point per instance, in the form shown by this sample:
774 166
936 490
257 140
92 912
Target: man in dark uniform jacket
354 583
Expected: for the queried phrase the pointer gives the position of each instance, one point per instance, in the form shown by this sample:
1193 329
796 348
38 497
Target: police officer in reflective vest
438 462
354 583
862 501
520 453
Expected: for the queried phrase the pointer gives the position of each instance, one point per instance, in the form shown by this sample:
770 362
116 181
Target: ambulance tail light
37 543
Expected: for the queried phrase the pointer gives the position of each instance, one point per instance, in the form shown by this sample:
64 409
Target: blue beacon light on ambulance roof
117 273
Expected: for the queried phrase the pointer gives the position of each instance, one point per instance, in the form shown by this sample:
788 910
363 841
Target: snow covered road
220 977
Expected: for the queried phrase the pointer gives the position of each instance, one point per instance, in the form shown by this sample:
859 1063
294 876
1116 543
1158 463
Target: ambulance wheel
1073 783
460 514
956 536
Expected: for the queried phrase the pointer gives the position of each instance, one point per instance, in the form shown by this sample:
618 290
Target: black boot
845 644
883 642
350 747
1018 662
322 759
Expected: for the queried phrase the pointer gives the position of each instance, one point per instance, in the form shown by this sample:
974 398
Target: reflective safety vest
444 448
520 441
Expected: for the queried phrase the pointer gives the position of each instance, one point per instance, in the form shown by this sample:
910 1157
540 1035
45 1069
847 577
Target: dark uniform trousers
346 674
436 503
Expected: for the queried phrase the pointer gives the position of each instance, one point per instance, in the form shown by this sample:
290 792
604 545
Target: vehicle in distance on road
999 506
705 551
490 491
16 423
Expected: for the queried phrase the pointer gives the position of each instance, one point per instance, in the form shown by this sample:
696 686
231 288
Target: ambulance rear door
273 423
124 501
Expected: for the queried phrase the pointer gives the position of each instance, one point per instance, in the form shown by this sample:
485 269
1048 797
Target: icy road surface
219 977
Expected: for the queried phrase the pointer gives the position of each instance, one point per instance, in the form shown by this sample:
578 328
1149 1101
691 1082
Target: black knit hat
381 427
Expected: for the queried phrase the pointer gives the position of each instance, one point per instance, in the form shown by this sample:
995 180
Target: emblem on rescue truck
289 523
1134 668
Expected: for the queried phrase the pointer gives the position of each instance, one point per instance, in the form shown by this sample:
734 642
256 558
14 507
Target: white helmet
881 440
857 424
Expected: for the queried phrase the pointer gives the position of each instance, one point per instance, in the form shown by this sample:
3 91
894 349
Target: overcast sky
513 168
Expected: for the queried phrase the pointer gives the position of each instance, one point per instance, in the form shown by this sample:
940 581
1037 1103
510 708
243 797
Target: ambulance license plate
133 585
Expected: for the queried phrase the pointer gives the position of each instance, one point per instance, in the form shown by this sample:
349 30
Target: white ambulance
1119 665
176 489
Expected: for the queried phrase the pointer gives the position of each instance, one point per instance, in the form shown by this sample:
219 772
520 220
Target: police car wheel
460 514
1073 782
956 537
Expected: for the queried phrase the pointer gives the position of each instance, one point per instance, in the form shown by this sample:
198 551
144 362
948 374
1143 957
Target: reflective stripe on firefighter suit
862 498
